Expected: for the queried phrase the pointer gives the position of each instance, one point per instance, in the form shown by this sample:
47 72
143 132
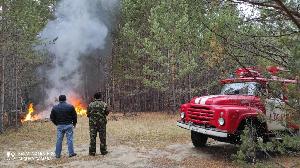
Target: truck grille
200 114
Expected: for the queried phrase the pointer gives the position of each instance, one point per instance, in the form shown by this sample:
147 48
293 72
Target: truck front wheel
198 139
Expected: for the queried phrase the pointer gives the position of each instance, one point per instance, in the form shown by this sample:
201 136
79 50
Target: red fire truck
244 99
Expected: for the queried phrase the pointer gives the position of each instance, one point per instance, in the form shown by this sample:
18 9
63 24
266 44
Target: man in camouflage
97 112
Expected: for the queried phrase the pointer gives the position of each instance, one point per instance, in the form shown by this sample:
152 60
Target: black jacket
63 113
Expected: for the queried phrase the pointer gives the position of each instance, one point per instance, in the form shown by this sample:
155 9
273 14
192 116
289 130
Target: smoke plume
80 27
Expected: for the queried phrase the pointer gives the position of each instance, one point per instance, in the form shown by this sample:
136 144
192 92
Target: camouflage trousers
94 129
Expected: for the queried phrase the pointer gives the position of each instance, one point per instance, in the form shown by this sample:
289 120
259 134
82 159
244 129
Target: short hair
62 98
98 95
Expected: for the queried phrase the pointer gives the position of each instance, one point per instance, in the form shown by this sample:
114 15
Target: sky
248 11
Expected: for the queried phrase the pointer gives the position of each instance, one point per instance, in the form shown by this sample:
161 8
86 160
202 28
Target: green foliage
21 21
186 46
163 43
250 148
164 46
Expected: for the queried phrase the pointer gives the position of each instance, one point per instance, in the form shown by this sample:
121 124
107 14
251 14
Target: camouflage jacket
97 111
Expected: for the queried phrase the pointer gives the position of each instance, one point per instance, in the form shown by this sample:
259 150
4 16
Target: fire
80 107
30 116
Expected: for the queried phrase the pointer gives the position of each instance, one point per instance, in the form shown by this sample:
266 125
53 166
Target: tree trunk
189 76
16 91
173 71
2 94
113 93
174 98
190 87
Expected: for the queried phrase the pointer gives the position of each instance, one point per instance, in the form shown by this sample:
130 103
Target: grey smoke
80 28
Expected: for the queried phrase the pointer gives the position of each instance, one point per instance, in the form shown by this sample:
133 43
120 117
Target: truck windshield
246 88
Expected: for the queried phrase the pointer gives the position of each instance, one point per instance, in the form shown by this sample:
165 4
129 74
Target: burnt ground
144 140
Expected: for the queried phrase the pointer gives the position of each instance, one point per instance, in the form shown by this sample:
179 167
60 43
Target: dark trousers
94 129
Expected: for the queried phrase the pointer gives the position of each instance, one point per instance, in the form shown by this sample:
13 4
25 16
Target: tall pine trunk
2 94
16 90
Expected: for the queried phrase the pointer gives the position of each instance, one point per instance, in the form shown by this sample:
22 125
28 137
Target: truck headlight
221 121
182 115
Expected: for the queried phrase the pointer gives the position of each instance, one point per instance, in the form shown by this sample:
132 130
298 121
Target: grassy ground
145 130
143 140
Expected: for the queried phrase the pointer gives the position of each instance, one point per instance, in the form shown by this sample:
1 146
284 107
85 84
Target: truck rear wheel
198 139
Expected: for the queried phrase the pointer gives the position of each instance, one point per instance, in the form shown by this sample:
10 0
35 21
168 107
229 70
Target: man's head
98 95
62 98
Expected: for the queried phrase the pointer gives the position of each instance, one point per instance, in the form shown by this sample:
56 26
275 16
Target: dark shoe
74 154
57 157
92 154
104 153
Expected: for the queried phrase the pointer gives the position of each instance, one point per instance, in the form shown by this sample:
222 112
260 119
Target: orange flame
30 116
80 107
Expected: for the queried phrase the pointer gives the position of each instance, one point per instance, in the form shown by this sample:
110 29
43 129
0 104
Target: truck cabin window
245 88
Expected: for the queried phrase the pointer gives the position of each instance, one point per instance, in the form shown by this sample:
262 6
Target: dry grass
31 136
144 130
148 130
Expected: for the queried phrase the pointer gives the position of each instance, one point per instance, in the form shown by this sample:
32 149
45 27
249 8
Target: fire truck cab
245 99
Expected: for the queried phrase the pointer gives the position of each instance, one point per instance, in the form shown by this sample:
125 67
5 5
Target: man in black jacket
64 116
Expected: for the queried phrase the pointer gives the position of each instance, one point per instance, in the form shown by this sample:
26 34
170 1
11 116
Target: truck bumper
203 130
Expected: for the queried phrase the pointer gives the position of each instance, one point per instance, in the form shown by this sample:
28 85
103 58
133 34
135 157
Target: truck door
275 113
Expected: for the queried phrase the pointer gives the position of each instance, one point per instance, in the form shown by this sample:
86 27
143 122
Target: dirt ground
143 140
